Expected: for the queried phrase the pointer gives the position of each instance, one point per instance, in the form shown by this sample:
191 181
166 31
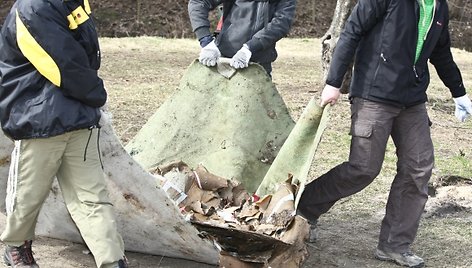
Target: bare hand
329 95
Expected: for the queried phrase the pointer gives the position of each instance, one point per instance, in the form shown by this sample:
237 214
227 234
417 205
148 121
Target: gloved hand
241 58
463 107
329 95
209 54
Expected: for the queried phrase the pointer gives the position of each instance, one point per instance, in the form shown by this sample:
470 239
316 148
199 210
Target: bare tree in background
456 8
329 40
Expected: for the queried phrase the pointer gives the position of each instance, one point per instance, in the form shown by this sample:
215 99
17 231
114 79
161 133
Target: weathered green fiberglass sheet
296 155
234 127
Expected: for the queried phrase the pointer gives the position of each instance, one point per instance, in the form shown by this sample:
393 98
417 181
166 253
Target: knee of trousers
418 169
363 174
419 177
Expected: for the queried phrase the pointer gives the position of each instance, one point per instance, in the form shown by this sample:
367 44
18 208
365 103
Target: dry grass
140 73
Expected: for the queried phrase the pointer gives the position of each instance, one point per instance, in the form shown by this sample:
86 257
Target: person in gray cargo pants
391 43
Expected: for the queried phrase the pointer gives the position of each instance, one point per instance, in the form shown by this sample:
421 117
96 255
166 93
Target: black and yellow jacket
49 57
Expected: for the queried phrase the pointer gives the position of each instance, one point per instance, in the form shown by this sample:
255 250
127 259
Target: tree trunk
456 9
138 11
329 40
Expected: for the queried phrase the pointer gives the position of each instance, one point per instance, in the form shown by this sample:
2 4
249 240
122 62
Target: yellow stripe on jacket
77 17
87 7
33 51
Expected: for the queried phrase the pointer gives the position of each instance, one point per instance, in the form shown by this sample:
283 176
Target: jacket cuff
204 41
202 32
458 92
334 83
254 45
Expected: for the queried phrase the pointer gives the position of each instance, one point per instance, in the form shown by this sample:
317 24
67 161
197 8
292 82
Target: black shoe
313 235
123 263
21 256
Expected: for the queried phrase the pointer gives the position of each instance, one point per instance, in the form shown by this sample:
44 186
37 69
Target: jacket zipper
262 13
416 34
383 57
258 15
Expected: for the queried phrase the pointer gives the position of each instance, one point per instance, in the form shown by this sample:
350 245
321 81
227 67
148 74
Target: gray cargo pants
372 124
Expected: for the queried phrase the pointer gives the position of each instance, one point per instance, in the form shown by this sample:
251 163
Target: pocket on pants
362 129
361 143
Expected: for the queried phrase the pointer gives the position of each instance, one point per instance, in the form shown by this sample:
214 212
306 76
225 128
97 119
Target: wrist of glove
463 108
241 58
204 41
209 54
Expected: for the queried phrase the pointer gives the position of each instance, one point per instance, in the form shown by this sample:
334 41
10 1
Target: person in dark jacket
249 32
391 42
50 99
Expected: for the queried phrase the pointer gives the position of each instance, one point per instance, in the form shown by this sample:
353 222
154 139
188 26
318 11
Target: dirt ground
141 73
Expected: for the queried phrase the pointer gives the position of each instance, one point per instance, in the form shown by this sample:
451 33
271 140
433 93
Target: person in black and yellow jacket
50 99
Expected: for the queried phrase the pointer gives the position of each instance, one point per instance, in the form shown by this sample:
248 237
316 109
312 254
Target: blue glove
463 107
241 58
209 54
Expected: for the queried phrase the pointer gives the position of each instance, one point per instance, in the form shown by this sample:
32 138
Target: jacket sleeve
443 62
278 27
44 38
365 15
198 11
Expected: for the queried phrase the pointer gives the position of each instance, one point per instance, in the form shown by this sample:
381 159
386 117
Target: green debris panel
234 127
296 155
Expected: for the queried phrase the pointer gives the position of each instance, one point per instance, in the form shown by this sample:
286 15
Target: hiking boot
20 256
406 259
313 235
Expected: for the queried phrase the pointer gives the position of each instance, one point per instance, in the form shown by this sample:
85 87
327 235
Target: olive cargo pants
35 163
372 124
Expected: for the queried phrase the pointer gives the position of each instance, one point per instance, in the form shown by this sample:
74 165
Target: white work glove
463 107
241 58
209 54
329 95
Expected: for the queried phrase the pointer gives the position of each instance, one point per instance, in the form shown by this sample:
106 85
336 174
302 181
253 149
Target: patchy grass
140 73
